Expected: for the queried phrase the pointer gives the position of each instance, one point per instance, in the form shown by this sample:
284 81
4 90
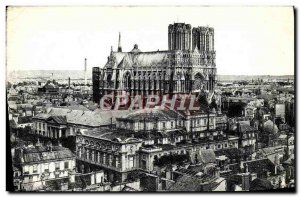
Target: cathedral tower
179 36
203 38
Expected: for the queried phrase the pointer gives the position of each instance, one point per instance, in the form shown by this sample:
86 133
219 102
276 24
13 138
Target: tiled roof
260 166
231 153
43 154
142 59
246 128
128 189
110 134
272 150
260 184
152 115
58 119
204 156
207 156
24 119
186 183
87 118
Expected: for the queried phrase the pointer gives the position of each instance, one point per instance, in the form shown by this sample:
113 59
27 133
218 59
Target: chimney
22 155
69 84
119 43
38 143
85 77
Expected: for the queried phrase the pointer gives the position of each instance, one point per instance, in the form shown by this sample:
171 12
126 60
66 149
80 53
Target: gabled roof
142 59
58 119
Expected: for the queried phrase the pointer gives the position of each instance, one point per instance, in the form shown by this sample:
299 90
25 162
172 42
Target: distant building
49 88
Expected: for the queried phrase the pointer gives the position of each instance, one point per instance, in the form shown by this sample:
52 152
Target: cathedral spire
119 43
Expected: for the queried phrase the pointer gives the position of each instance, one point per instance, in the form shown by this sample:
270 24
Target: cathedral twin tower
188 66
179 37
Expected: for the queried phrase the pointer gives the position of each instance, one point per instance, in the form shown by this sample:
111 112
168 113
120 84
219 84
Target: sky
248 40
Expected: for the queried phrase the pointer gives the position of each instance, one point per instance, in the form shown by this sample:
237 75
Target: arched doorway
198 82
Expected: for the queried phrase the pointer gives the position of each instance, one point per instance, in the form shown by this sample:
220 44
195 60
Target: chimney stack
69 83
85 77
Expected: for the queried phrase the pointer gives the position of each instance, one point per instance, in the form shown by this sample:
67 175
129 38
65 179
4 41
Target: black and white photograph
150 99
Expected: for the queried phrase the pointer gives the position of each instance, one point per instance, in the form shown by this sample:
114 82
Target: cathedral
187 67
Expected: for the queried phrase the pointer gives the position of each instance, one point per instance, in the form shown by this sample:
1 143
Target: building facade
41 166
141 138
188 66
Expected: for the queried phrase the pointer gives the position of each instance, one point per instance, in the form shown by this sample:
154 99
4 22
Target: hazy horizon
91 73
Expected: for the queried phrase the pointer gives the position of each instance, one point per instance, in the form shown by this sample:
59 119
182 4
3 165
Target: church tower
203 38
179 36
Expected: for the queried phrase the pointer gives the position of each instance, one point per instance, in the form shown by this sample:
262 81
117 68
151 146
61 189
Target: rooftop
43 154
95 118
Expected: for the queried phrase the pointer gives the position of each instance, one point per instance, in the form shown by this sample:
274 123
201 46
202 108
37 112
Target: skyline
59 38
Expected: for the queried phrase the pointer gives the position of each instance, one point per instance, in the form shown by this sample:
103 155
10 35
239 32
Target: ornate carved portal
198 82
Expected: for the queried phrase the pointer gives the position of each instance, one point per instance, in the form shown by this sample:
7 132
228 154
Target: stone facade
177 70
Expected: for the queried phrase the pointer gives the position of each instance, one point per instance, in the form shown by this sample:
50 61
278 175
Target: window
57 166
26 170
87 154
131 162
34 168
46 167
172 124
66 165
164 125
117 162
